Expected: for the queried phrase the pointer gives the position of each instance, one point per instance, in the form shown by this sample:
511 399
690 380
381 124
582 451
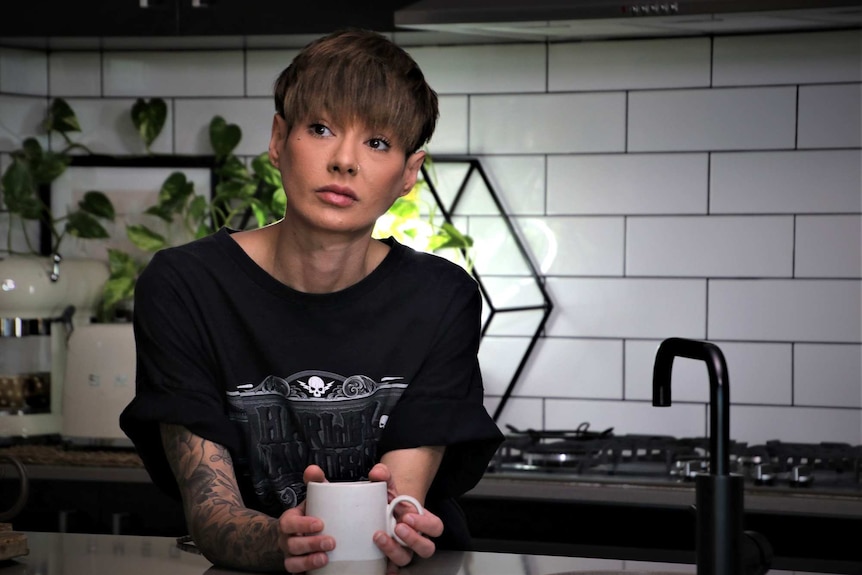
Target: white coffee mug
351 513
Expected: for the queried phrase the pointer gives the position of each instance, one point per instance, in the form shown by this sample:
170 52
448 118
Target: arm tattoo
226 532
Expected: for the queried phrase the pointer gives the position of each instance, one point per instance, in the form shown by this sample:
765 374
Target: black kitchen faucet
722 546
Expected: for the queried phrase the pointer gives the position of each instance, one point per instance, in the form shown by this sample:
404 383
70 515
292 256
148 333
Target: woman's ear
279 132
411 170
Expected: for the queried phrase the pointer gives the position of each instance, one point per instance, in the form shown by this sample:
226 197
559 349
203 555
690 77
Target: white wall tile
710 246
477 69
830 116
758 373
450 135
107 128
499 358
574 368
621 65
829 246
628 184
547 123
786 182
23 72
651 308
518 412
679 419
827 375
787 58
21 117
75 74
571 246
795 424
262 68
786 310
192 73
252 115
495 250
519 182
723 119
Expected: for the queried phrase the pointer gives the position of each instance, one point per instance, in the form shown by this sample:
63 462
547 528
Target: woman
308 351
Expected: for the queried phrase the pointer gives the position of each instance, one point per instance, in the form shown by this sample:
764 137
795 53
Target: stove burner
582 452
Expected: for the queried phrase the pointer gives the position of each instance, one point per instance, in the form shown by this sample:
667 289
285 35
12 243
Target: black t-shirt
285 379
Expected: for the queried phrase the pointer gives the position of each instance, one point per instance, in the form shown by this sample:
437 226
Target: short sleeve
175 376
444 405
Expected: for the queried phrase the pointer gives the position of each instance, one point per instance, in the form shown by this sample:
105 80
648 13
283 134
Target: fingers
313 473
300 543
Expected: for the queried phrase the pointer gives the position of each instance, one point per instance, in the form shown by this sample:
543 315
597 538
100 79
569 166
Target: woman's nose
344 160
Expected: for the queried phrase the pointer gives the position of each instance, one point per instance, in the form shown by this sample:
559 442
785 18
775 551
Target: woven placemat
58 455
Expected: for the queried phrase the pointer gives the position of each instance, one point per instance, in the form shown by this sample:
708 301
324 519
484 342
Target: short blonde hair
358 75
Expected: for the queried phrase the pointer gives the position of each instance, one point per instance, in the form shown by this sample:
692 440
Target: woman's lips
337 195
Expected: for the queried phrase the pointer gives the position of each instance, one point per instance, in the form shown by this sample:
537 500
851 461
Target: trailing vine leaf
19 191
45 166
83 225
145 238
224 137
97 204
61 118
175 192
149 116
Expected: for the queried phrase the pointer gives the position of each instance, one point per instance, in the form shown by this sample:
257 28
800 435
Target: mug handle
390 513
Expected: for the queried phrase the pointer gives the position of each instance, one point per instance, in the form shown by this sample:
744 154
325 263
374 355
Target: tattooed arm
226 532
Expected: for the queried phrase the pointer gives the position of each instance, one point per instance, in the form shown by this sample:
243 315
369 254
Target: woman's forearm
224 530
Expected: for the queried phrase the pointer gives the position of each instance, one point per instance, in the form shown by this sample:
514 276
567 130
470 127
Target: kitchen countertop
84 554
803 501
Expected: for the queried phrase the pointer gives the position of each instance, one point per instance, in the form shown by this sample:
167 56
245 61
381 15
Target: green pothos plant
31 167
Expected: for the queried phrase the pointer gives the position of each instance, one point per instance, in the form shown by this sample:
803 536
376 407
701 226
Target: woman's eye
378 144
319 130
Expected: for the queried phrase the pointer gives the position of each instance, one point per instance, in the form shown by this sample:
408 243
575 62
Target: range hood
577 19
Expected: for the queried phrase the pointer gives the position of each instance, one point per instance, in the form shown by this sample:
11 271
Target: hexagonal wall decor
516 303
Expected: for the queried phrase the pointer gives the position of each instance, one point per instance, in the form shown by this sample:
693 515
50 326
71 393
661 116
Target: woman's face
339 178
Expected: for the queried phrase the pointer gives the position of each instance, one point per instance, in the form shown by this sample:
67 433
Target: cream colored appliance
99 382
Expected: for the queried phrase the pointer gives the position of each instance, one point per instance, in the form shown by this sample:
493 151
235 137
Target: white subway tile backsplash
75 74
710 246
679 419
829 246
519 182
713 119
450 136
629 65
758 424
499 358
262 68
193 116
518 412
623 308
23 72
547 123
107 128
576 246
786 182
830 116
827 375
478 69
786 310
759 373
787 58
177 73
574 368
627 184
21 117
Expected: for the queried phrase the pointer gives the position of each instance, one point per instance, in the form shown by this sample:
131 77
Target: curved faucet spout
719 392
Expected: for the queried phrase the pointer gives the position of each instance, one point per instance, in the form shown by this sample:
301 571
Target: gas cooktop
585 454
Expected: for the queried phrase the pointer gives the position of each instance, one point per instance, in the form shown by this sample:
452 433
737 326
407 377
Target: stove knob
763 474
801 476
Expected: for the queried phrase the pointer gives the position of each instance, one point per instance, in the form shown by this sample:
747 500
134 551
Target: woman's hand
303 549
412 528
